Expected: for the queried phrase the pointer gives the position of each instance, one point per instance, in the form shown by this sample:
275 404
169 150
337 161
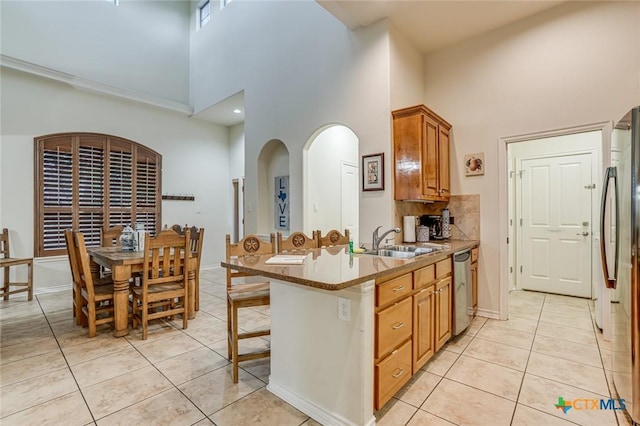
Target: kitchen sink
403 252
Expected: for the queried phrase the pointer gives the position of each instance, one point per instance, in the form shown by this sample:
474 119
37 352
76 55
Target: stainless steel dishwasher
462 296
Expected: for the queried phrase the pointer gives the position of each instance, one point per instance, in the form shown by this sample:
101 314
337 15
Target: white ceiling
428 24
432 25
222 112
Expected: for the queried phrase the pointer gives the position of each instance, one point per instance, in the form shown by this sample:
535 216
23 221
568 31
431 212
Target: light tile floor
497 372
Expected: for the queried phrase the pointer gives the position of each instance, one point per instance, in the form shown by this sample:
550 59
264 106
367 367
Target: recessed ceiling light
237 111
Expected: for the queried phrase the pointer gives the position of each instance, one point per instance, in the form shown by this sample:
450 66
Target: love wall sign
282 202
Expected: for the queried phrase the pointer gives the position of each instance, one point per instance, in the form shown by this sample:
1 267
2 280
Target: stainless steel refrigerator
621 216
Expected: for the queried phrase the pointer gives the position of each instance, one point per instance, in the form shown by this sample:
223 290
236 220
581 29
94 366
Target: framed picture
474 164
373 172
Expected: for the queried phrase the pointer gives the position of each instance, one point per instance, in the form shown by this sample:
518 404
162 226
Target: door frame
605 127
355 233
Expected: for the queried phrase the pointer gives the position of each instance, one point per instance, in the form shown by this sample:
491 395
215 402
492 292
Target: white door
349 197
556 225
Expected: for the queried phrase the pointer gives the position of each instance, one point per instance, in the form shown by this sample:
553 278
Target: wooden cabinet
393 327
424 280
421 155
442 312
423 327
474 279
391 374
412 321
442 303
393 332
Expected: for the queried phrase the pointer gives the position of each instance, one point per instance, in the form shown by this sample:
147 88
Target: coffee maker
434 222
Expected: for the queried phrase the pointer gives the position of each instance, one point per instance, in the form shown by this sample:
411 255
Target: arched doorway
273 162
331 181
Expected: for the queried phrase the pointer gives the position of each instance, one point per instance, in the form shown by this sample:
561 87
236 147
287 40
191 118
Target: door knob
584 234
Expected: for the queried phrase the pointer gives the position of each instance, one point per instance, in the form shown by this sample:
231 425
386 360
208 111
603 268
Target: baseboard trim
488 313
311 409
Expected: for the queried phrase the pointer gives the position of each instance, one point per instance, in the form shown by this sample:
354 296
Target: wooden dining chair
195 245
7 262
333 238
297 241
245 295
74 265
164 279
96 300
111 236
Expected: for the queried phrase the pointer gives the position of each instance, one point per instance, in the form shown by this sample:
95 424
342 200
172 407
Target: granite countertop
333 268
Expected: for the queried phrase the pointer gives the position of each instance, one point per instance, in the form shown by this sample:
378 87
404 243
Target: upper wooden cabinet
421 152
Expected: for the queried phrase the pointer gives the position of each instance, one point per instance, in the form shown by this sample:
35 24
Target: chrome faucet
377 240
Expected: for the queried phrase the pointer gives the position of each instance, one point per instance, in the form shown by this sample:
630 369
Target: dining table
124 265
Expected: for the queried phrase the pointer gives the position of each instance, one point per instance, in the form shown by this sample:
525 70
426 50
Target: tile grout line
515 408
67 362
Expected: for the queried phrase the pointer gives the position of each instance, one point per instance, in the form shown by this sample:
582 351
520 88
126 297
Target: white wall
236 167
573 65
236 151
324 164
138 45
407 71
308 72
194 158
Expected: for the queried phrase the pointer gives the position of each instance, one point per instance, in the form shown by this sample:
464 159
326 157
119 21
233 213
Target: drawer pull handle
399 288
399 373
397 325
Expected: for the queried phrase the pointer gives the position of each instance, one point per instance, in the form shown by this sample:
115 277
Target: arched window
85 181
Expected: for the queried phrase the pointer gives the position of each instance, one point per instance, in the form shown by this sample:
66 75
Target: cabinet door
407 146
423 327
443 162
430 157
443 312
391 374
393 326
394 289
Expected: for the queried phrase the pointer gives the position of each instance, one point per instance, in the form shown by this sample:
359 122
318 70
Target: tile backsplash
465 209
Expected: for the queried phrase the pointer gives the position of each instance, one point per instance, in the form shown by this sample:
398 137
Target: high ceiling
223 112
429 25
432 25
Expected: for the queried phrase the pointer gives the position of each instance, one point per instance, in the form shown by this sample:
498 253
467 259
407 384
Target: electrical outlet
344 309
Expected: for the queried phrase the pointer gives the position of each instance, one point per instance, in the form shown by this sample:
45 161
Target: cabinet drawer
474 255
424 276
393 326
443 268
391 374
394 289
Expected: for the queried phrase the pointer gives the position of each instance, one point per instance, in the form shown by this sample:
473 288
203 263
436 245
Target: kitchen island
322 327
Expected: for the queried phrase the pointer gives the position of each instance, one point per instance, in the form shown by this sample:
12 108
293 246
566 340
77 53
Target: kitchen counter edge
406 266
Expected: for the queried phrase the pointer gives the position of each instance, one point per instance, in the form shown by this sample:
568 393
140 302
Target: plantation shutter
147 195
87 181
91 169
120 184
56 192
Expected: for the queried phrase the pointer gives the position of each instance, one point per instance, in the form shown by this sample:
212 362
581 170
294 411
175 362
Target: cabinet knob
399 288
397 325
